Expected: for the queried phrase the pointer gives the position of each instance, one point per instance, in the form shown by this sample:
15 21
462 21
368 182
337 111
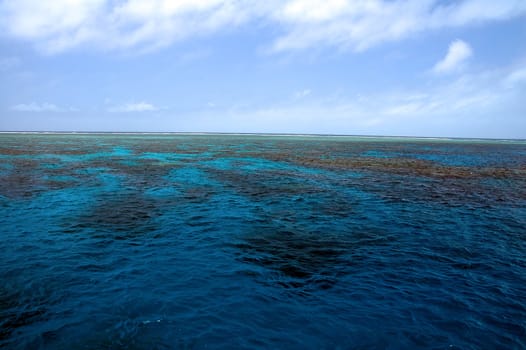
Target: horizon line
254 134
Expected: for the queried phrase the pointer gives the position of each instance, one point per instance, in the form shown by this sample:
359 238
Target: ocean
261 242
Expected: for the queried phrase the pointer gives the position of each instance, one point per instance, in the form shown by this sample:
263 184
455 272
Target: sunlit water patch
169 242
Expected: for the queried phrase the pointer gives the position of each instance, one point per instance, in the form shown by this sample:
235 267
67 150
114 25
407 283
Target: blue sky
373 67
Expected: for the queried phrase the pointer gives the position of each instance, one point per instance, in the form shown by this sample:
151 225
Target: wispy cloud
458 52
60 25
40 107
469 99
302 93
7 63
133 107
516 77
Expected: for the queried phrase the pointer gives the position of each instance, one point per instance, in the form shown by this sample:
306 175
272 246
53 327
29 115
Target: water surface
214 241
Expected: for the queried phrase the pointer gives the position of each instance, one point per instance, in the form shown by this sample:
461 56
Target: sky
449 68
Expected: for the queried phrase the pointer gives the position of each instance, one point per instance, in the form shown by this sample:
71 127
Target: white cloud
458 52
60 25
40 107
313 10
133 107
362 24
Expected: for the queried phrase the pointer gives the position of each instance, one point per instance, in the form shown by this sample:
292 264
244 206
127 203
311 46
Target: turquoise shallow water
208 241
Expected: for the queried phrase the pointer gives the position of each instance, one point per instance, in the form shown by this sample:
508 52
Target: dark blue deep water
261 242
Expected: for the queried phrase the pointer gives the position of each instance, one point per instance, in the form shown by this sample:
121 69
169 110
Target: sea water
249 241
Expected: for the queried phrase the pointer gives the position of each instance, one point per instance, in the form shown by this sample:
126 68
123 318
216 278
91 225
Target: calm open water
192 242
